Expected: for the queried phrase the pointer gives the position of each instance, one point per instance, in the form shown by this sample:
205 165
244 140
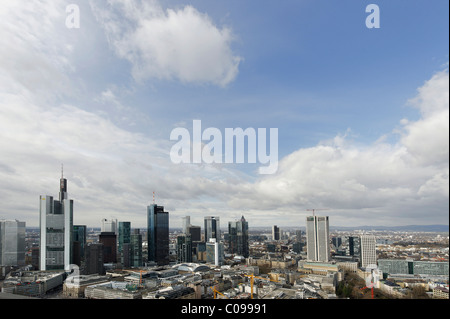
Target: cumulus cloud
174 44
379 183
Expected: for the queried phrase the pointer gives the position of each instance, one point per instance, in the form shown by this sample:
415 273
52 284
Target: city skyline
361 113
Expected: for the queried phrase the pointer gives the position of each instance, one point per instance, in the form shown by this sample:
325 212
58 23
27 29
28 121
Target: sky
99 85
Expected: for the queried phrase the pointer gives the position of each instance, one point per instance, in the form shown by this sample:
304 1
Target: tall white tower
56 230
317 237
368 251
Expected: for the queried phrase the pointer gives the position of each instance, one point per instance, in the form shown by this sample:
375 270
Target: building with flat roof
74 287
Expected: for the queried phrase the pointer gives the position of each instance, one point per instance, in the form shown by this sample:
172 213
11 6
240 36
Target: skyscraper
185 224
368 251
158 234
317 236
109 241
212 228
124 236
214 252
12 243
184 248
136 249
79 243
109 226
275 232
238 237
56 230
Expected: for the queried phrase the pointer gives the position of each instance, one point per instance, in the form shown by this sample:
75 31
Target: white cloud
381 182
427 140
181 44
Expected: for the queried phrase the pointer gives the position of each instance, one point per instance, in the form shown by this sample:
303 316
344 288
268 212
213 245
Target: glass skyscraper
56 230
238 237
12 243
212 228
158 234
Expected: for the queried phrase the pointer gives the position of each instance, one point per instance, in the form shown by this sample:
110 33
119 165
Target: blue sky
360 112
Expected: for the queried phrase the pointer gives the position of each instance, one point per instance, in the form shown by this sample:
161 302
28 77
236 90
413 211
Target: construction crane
315 209
252 278
368 287
215 291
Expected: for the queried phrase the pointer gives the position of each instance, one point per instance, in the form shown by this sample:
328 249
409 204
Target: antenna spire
153 197
62 171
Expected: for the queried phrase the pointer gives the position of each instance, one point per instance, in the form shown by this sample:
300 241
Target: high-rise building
124 235
317 237
275 232
238 237
79 241
368 251
184 248
94 260
109 226
56 230
214 252
196 233
185 224
12 243
109 241
212 228
136 249
158 234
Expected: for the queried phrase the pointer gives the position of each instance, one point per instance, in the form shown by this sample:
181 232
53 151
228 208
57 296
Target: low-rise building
75 286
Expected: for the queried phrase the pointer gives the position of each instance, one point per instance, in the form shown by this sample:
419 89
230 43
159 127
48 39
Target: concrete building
368 251
317 236
74 287
12 243
32 283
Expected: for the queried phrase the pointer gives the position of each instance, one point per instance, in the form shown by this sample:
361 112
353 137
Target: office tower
238 237
124 236
158 234
195 232
275 232
214 252
94 259
212 228
185 224
337 242
368 251
317 236
123 244
136 249
109 226
12 243
79 235
56 230
109 241
184 248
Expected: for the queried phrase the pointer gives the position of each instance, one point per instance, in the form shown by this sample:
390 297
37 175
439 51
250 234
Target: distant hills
406 228
411 228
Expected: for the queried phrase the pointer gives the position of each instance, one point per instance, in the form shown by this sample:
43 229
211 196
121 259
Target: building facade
56 230
12 243
368 251
212 228
238 237
317 236
158 234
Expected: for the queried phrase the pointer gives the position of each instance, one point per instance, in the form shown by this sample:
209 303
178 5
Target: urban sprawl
61 260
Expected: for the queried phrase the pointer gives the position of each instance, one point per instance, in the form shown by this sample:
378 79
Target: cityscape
224 157
60 260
